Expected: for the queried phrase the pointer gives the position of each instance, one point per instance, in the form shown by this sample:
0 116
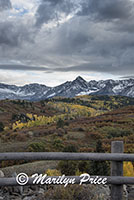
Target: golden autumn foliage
30 115
70 111
75 109
78 173
38 121
6 128
128 169
53 172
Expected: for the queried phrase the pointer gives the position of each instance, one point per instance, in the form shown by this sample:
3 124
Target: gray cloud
5 4
103 67
99 38
127 77
107 9
8 35
71 38
51 10
13 34
22 67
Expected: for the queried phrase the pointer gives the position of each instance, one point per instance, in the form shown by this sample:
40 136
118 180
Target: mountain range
79 86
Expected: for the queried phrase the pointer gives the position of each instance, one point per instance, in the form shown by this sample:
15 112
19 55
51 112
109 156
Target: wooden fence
116 157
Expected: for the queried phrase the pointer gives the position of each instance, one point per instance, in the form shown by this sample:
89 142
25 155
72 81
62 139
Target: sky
53 41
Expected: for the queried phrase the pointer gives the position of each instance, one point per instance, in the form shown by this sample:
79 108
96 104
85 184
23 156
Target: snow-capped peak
74 88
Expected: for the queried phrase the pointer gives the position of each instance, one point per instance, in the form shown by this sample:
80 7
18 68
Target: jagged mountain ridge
79 86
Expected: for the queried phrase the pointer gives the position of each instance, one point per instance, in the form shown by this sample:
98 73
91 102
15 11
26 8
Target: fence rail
116 157
66 156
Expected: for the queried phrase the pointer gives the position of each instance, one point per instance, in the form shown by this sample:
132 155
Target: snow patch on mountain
51 95
77 87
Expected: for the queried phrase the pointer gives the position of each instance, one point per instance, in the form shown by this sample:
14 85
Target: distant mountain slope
79 86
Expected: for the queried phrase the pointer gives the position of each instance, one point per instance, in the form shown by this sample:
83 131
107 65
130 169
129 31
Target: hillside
82 124
58 122
10 110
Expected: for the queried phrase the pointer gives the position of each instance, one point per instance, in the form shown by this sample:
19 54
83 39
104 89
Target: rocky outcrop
44 193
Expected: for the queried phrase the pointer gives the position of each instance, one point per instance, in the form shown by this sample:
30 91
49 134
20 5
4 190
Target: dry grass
30 168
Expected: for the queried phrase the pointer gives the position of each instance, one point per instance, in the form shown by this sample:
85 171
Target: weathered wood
116 156
117 170
66 156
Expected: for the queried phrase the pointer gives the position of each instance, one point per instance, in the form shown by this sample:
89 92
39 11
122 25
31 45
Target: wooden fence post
117 170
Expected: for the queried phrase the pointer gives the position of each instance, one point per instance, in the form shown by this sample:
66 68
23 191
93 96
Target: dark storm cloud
51 9
72 37
8 35
13 34
119 12
107 9
5 4
95 9
73 43
90 40
22 67
99 38
124 25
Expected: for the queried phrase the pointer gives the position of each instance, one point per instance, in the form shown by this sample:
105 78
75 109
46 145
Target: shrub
14 116
99 167
91 167
70 148
60 123
37 147
12 136
95 167
68 167
53 172
81 129
1 126
21 137
58 145
76 192
111 132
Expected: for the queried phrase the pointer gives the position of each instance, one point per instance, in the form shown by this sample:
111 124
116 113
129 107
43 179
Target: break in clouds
67 36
